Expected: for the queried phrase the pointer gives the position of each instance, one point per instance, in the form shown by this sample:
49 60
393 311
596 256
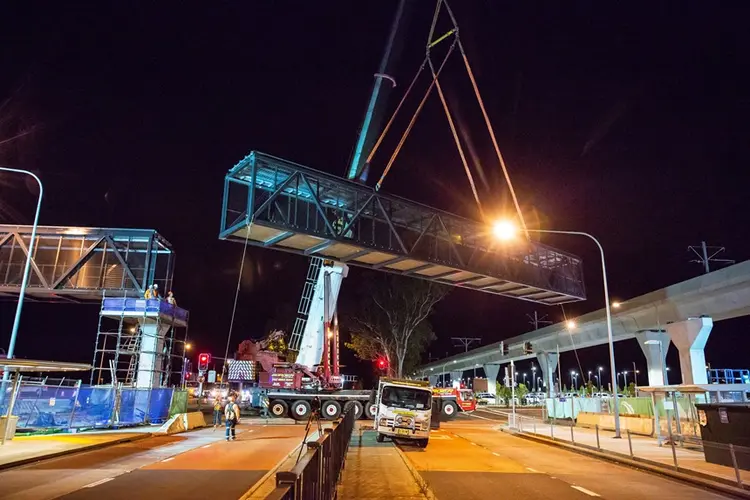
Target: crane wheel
450 408
330 410
278 408
300 410
354 406
370 410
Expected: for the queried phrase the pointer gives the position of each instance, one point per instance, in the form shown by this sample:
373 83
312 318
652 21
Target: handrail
317 473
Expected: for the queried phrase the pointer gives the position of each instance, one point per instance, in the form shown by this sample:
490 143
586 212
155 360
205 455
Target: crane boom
319 297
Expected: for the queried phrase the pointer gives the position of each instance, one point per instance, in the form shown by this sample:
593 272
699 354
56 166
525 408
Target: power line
707 254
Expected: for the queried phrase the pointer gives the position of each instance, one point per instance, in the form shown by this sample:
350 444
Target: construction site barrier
317 473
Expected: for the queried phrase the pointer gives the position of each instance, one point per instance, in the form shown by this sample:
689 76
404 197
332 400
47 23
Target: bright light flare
504 230
616 304
570 324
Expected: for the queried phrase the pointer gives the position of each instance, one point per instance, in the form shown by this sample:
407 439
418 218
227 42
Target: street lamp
570 324
533 374
27 265
506 230
600 377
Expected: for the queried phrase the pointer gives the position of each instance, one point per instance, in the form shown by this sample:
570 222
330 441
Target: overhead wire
572 341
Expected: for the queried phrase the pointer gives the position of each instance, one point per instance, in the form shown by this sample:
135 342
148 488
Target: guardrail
316 474
729 464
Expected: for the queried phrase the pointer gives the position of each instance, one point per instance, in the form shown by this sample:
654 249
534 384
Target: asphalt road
196 465
467 459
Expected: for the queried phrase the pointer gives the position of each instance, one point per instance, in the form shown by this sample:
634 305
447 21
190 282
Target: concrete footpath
378 470
22 450
644 449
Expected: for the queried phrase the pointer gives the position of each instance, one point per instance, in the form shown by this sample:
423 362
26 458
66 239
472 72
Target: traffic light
203 359
504 348
382 363
527 348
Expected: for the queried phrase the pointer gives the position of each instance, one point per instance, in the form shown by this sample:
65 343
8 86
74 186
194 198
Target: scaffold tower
139 343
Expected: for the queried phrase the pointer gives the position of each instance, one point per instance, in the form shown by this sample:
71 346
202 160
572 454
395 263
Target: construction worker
264 405
149 293
217 412
232 417
155 291
170 298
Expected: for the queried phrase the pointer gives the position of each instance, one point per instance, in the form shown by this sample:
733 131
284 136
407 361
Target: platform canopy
39 366
274 203
80 264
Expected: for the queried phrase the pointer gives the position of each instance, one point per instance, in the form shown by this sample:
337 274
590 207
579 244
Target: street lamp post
533 374
25 279
505 230
600 378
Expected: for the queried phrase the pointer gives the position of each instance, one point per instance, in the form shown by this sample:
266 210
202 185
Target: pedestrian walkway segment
274 203
80 264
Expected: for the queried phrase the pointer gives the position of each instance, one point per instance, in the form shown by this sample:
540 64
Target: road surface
468 459
198 465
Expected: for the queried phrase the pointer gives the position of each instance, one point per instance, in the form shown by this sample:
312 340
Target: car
486 398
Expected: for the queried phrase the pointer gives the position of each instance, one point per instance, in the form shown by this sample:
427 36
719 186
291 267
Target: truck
404 410
454 400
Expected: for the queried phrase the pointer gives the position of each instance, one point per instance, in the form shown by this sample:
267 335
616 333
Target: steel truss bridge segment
79 264
274 203
722 294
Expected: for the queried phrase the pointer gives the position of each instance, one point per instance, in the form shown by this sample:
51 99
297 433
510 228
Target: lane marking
473 443
532 470
97 483
584 490
206 446
496 454
483 418
168 459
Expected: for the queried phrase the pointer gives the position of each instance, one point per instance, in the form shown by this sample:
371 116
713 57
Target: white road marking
206 446
97 483
584 490
496 454
168 459
474 444
483 418
532 470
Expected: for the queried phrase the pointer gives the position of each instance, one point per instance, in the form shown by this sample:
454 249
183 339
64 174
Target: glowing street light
616 305
505 230
570 324
188 346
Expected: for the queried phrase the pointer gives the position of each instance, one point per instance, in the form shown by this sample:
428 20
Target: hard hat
156 286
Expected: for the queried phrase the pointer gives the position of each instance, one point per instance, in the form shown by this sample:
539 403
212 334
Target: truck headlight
383 422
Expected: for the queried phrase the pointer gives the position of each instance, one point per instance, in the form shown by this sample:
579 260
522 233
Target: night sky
628 122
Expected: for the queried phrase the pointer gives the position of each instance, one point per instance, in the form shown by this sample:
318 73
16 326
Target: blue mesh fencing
53 407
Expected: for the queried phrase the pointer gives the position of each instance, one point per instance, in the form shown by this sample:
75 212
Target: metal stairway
304 304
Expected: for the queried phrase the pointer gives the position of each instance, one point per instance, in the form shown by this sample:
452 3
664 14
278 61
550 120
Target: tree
392 321
503 392
521 391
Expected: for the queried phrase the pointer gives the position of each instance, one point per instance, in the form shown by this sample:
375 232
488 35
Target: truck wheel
422 443
278 408
370 410
300 410
450 408
380 438
354 406
331 410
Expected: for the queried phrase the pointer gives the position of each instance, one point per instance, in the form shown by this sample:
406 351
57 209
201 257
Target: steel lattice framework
81 264
274 203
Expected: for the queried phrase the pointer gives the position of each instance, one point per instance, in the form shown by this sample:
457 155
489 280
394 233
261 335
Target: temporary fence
316 474
43 406
719 462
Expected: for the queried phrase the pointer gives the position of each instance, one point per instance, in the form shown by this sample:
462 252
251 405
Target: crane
315 334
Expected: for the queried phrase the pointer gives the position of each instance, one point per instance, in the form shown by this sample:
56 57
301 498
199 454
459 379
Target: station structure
139 342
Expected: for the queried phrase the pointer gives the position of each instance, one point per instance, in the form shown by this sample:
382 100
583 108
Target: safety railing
316 474
724 463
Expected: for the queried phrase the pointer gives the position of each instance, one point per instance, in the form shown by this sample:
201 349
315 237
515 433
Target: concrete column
150 357
548 364
491 372
456 378
690 337
434 380
656 355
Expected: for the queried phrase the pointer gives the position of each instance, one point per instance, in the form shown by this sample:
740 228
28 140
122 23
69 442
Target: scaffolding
139 343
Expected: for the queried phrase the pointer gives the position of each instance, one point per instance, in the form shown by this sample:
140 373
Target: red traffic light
204 358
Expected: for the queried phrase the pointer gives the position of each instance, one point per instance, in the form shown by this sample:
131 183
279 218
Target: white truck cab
404 410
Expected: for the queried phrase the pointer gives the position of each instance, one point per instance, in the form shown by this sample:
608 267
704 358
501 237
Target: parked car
486 398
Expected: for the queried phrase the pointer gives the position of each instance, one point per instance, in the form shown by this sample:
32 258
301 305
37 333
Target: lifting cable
487 120
236 298
414 117
435 83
